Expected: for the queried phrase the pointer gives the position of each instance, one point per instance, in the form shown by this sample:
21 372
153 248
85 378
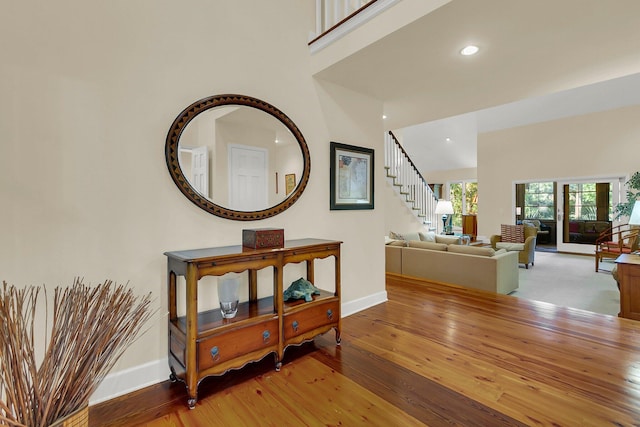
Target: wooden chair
621 239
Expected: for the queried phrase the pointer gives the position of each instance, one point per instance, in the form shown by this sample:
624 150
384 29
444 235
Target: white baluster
319 27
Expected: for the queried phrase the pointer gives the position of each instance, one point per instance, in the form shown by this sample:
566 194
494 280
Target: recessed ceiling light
384 116
469 50
447 139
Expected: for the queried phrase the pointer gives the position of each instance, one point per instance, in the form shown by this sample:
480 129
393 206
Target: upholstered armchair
519 238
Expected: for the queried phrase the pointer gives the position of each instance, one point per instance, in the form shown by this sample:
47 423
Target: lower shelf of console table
203 344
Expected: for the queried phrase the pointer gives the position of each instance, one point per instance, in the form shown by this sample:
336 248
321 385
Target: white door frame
617 190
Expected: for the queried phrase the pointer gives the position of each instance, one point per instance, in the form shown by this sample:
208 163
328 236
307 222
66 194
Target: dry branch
91 328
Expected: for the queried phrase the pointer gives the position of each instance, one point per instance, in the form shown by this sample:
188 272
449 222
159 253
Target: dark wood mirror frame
171 154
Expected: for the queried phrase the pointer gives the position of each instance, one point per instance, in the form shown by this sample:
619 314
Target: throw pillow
512 233
398 243
396 236
411 236
428 237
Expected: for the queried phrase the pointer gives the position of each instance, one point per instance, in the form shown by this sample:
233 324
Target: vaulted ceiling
533 56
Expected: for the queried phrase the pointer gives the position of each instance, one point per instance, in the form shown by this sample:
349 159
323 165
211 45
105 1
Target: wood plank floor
432 355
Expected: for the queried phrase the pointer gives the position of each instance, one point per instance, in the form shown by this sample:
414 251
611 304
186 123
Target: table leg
192 335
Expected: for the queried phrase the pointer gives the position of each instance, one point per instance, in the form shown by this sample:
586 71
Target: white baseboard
132 379
360 304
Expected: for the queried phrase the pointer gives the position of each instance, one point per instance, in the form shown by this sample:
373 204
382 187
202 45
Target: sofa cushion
428 237
500 252
427 245
448 240
600 226
471 250
510 246
397 243
512 233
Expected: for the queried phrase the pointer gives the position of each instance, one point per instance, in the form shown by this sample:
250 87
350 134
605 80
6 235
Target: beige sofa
461 265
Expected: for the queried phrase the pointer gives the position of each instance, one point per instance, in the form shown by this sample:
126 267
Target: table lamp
634 219
445 208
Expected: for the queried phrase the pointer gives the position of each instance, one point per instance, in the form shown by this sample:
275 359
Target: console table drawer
229 345
305 320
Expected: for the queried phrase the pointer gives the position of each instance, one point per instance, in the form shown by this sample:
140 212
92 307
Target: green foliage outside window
455 191
538 200
470 200
582 202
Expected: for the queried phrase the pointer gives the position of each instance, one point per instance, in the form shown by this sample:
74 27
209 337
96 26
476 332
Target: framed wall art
289 182
351 177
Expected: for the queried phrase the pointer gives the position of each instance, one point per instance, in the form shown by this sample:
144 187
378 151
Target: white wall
398 217
594 145
89 90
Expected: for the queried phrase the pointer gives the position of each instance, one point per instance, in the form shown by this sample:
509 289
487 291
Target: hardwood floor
432 355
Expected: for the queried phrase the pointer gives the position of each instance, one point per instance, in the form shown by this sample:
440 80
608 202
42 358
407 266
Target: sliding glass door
584 210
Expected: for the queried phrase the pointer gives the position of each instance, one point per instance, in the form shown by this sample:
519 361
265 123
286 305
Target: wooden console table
629 281
202 344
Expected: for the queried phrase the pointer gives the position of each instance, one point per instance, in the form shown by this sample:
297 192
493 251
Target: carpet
569 280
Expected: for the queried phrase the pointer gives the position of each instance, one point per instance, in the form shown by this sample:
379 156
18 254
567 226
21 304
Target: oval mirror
237 157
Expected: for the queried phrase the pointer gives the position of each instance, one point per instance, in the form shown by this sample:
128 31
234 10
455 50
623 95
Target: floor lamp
445 208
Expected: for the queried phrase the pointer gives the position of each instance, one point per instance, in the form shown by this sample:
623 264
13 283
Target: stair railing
332 13
409 182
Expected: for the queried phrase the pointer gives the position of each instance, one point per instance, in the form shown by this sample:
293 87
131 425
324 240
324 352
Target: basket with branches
91 327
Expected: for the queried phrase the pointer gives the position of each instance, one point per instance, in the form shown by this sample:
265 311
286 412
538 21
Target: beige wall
89 90
593 145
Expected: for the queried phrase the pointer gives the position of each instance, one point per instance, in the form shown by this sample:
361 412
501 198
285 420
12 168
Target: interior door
200 170
248 185
569 212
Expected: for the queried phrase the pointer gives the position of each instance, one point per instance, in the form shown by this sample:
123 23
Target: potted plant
90 328
633 190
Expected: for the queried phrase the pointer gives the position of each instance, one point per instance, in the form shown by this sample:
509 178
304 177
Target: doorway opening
573 211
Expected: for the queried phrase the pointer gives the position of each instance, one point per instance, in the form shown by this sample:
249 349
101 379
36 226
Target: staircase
408 183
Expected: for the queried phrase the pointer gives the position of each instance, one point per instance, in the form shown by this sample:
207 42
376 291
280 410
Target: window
582 201
464 198
589 201
539 200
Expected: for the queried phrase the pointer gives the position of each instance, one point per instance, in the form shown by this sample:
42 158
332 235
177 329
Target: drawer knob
330 314
266 336
215 353
295 325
